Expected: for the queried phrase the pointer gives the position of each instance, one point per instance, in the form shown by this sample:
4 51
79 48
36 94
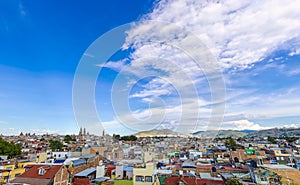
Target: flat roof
79 162
277 166
85 172
88 156
208 176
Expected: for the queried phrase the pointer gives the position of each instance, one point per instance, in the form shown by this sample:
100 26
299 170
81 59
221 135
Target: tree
9 149
116 137
56 145
233 182
129 138
69 138
132 138
290 139
230 142
272 140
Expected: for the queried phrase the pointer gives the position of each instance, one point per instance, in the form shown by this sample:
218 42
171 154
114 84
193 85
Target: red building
44 174
190 180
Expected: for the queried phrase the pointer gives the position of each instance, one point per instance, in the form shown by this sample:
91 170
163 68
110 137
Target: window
282 158
277 158
41 171
263 179
148 179
139 178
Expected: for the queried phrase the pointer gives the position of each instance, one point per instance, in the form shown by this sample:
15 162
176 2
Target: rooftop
85 172
277 166
33 172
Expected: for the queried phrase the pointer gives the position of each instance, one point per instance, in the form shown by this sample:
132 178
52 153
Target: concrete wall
119 172
100 171
41 157
148 156
148 171
86 151
61 177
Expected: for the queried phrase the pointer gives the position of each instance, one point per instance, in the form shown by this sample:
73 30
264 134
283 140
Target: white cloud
172 95
43 131
3 123
242 125
239 33
115 127
295 52
292 72
88 55
188 116
22 9
156 87
117 66
277 103
293 125
9 131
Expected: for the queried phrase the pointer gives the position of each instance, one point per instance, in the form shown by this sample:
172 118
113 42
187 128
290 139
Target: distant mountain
247 131
157 132
276 132
221 133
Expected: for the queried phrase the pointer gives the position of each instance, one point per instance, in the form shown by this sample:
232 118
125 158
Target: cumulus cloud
170 96
239 33
242 125
293 125
154 88
117 66
295 52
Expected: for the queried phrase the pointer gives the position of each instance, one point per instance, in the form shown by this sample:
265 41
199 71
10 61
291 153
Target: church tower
80 132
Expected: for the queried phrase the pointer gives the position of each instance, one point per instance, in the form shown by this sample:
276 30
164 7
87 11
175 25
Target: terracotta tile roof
228 168
33 172
172 180
189 180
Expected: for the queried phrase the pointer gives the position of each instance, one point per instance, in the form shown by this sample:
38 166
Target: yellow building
10 171
41 157
144 176
23 164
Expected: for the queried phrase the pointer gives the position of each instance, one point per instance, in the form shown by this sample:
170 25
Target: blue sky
255 44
